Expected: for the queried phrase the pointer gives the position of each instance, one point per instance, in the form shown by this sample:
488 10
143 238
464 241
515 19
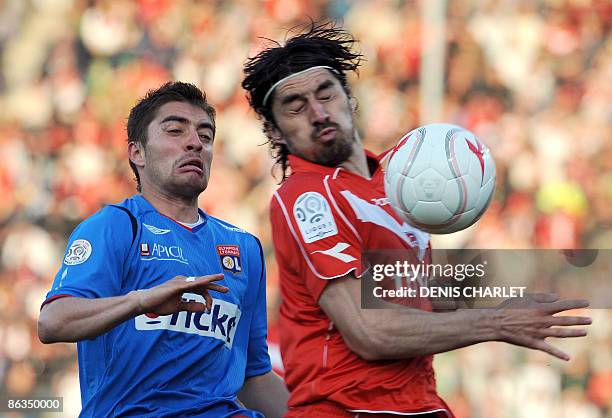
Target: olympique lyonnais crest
230 258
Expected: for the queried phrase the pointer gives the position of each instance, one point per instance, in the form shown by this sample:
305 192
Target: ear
273 133
353 103
136 154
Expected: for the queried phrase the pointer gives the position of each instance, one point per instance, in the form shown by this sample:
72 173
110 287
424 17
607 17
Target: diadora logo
220 323
230 258
162 253
156 230
337 252
412 240
380 201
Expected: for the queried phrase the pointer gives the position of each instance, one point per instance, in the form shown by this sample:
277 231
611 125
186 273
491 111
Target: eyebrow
324 85
180 119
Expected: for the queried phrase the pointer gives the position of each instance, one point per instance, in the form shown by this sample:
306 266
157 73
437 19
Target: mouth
192 164
326 134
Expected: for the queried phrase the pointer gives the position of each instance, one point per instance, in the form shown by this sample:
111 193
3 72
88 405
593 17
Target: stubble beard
333 154
336 153
190 189
187 190
180 188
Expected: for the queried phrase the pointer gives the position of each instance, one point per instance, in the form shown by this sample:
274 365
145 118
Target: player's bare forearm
265 393
72 319
383 334
379 334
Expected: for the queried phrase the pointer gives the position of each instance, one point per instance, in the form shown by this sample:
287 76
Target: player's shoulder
107 226
224 225
232 230
113 216
135 205
303 180
299 185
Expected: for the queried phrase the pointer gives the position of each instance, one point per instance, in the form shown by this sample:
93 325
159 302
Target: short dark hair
143 113
322 44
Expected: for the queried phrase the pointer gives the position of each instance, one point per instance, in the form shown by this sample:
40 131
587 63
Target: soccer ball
440 178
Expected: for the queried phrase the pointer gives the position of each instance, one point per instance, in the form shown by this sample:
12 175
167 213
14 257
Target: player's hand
167 298
529 320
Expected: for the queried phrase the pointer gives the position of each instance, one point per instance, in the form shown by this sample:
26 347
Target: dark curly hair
323 44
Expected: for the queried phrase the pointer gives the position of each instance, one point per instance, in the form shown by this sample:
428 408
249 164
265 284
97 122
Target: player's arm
265 393
378 334
72 319
263 390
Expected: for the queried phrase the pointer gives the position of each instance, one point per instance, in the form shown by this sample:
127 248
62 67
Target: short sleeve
258 359
94 259
313 236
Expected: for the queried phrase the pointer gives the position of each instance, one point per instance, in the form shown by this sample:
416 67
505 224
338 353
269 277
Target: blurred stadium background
532 78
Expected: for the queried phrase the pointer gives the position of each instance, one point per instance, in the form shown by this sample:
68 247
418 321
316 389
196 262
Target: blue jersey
186 364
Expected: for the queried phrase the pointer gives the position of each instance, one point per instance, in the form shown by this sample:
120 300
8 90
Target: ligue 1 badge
230 258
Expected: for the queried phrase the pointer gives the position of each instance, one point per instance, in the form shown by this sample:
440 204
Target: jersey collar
300 165
144 202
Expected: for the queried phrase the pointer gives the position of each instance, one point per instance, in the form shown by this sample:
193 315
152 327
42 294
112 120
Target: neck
357 162
180 209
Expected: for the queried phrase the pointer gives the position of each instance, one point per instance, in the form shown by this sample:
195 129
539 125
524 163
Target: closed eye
326 91
325 95
297 109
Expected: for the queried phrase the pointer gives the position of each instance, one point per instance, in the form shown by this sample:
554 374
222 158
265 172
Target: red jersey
323 218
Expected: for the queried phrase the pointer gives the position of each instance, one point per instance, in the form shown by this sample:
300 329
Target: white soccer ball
440 178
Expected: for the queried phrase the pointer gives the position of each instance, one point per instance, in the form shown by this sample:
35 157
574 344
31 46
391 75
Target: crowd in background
531 78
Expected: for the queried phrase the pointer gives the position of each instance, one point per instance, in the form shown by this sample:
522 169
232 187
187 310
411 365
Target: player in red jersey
342 360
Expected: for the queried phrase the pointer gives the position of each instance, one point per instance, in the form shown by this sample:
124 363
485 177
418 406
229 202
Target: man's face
178 153
314 118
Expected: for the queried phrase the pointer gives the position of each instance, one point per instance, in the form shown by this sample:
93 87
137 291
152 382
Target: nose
318 113
193 141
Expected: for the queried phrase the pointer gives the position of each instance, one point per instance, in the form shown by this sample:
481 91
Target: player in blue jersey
166 303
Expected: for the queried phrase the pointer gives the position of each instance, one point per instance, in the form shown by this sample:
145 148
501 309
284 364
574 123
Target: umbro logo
156 230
